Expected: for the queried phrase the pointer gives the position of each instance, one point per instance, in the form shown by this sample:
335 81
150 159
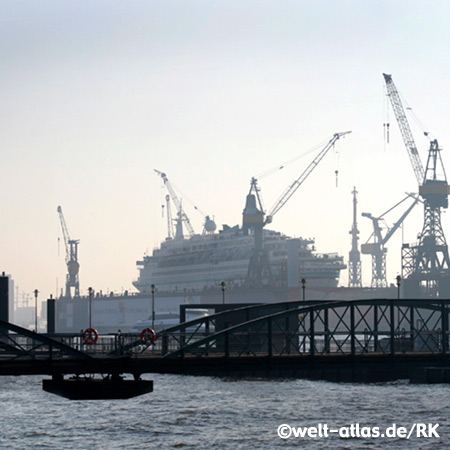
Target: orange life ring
90 336
148 336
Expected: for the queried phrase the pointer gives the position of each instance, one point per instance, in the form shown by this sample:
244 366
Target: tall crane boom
289 192
65 232
404 128
72 263
181 214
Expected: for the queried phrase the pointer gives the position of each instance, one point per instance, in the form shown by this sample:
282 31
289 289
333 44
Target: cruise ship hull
113 313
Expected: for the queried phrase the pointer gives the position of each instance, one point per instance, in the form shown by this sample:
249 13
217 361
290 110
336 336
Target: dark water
211 413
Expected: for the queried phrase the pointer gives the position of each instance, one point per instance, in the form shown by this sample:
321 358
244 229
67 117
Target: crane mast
181 215
73 266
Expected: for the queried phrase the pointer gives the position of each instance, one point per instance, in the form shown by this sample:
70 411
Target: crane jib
289 192
405 130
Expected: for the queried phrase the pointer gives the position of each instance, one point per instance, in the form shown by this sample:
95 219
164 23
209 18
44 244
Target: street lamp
36 292
303 288
90 290
399 281
223 285
153 306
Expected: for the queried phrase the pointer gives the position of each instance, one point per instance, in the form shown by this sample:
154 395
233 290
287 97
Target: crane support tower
354 260
425 265
255 219
73 266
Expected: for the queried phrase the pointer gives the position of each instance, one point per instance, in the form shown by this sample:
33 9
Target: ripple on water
204 412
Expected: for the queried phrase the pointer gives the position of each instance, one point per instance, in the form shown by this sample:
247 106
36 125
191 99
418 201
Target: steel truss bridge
360 340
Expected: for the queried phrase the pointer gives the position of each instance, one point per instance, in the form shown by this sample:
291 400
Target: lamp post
153 306
90 290
36 292
303 288
223 286
399 281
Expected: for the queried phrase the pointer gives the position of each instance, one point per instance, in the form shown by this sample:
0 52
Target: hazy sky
97 94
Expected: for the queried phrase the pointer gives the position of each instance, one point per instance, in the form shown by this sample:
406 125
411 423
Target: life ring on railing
90 336
148 336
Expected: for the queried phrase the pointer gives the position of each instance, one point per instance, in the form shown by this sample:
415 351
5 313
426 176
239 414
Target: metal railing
360 327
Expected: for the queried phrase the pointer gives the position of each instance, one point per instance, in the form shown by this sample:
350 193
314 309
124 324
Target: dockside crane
378 248
426 265
181 215
73 266
254 217
290 191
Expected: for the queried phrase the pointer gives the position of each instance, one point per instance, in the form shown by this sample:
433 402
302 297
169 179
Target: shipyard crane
426 264
405 130
254 215
72 263
292 188
378 248
290 191
181 215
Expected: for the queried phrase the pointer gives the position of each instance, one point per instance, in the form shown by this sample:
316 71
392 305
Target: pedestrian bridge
339 340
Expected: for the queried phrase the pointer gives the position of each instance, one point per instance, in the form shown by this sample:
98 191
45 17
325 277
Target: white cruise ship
202 262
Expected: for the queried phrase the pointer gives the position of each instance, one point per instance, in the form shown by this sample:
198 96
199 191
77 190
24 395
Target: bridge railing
387 327
352 328
20 343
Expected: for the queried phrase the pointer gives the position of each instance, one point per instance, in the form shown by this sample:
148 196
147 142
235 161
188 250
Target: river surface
187 412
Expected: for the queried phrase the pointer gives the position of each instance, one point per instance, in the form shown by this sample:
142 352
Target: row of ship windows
238 267
205 247
271 246
230 272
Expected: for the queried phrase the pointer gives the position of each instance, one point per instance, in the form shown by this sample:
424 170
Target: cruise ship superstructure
202 262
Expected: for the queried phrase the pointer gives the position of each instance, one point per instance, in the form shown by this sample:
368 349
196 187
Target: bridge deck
356 340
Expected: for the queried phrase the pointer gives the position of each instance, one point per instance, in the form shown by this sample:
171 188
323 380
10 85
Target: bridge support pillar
4 298
375 327
352 331
411 326
392 324
444 327
51 316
